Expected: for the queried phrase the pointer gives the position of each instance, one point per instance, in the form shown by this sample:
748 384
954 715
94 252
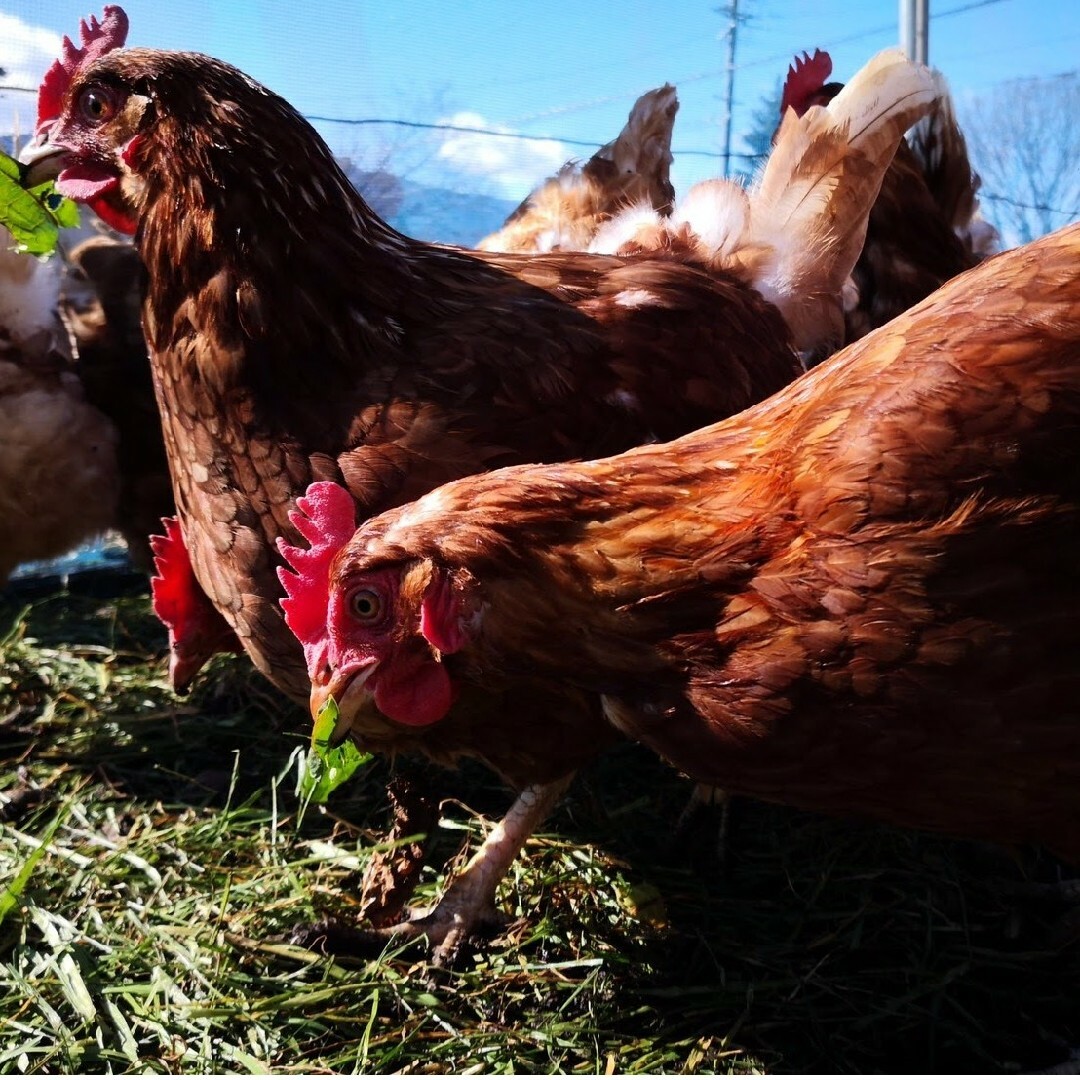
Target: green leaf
326 768
34 216
11 893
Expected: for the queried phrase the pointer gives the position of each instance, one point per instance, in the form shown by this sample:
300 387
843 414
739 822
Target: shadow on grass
840 947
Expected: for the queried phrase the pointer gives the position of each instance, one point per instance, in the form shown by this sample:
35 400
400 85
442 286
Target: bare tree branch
1025 144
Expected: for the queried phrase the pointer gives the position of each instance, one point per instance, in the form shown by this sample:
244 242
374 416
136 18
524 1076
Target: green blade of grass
9 898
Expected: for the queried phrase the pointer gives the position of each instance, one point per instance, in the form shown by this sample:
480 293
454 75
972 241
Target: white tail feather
810 206
798 232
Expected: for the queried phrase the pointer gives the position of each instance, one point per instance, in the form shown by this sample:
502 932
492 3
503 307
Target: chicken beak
182 670
39 162
346 688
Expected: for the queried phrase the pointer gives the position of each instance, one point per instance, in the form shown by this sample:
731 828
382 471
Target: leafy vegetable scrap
326 768
34 216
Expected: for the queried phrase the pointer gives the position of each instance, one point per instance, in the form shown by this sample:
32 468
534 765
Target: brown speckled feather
295 336
860 596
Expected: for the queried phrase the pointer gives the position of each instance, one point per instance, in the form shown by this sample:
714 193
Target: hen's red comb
96 39
804 78
172 588
326 518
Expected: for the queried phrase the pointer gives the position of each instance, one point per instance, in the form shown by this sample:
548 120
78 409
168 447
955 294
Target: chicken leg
469 900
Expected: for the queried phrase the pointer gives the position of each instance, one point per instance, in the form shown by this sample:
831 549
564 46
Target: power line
717 155
467 130
369 121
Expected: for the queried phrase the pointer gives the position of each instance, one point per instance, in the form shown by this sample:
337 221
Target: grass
154 866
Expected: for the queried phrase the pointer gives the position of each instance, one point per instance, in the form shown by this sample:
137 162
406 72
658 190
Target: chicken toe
467 905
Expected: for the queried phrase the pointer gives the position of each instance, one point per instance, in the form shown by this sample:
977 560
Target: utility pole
732 12
915 29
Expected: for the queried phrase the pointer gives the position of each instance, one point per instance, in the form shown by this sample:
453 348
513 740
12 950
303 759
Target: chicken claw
467 905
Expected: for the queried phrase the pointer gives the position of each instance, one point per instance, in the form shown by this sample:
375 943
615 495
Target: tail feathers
797 233
633 170
637 228
710 224
641 154
810 205
941 150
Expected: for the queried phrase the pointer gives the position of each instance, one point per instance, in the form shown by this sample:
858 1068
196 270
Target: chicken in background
859 597
295 336
924 227
565 211
59 477
798 230
101 302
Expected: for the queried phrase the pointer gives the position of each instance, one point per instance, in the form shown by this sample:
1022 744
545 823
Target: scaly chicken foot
467 905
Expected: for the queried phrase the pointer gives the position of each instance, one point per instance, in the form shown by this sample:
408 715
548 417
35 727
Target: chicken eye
96 105
366 606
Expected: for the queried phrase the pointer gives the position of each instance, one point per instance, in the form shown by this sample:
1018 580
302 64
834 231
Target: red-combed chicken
924 227
565 211
859 597
294 336
59 478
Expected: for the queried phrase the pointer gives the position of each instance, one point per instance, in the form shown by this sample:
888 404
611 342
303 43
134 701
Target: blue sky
570 69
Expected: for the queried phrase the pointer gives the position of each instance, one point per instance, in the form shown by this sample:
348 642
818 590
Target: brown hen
860 596
295 336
